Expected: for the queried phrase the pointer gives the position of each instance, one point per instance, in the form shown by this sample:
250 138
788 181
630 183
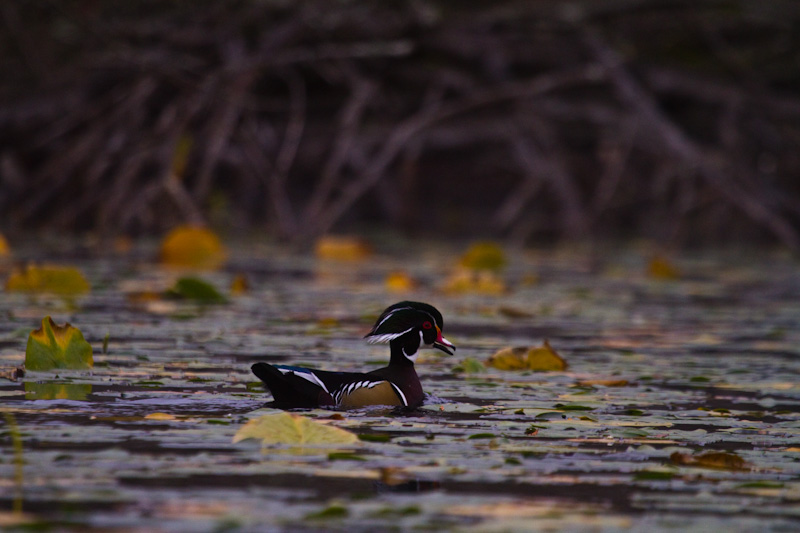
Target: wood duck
405 326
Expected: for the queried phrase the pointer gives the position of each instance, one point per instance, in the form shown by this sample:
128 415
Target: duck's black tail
287 389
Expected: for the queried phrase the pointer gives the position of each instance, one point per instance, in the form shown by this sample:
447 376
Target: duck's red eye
426 325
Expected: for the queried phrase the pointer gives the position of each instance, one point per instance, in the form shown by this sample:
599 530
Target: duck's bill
444 345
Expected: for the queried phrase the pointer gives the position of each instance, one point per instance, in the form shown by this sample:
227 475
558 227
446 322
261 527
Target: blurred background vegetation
528 121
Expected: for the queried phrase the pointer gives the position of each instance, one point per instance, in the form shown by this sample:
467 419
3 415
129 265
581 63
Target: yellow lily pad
288 428
192 247
660 267
53 346
465 280
399 281
60 280
539 358
240 285
485 255
342 248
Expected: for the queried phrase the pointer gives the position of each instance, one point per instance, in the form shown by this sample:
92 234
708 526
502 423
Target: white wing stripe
308 376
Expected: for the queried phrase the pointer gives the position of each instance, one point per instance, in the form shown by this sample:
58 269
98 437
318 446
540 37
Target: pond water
660 372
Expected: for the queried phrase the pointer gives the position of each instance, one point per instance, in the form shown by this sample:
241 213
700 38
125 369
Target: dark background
528 121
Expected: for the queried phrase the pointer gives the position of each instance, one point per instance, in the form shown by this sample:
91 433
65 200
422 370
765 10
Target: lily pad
540 358
288 428
59 280
194 248
53 346
196 289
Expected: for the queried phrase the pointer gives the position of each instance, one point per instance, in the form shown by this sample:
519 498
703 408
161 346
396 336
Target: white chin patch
412 357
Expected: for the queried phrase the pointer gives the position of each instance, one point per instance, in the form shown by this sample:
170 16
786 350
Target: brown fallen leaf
539 358
13 373
715 460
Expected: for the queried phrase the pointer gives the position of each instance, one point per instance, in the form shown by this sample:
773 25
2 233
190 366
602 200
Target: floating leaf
159 416
57 391
541 359
484 256
342 248
288 428
602 382
240 285
53 346
334 511
399 282
464 280
63 281
192 247
470 365
196 289
13 373
661 268
716 460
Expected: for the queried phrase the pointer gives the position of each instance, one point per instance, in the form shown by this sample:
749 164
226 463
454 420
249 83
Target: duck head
406 326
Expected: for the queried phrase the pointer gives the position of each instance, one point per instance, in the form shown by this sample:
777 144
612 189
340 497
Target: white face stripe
386 337
308 376
390 315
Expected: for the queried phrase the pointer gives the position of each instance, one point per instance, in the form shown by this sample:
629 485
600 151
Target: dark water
143 442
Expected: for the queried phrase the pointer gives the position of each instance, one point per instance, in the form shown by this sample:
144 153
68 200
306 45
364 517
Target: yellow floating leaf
474 281
53 346
288 428
716 460
508 358
603 382
484 256
540 358
159 416
399 282
4 248
342 248
793 449
63 281
661 268
192 247
240 285
545 358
